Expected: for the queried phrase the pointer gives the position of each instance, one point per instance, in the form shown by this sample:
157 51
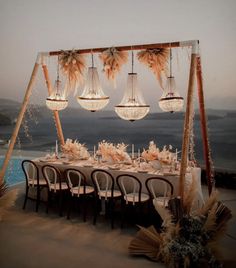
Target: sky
30 26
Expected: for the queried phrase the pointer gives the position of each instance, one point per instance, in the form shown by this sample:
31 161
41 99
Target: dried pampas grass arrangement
188 237
73 66
7 199
156 61
112 60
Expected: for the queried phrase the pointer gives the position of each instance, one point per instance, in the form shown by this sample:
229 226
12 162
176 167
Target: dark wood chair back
75 178
103 181
31 172
159 185
129 184
52 176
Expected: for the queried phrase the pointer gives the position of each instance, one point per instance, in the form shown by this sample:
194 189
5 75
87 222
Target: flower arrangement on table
188 237
113 153
75 150
154 153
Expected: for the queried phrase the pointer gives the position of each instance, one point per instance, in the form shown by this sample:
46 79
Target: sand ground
33 240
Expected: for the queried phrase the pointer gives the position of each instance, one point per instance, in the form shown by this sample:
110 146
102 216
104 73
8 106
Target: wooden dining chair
131 189
160 190
78 187
104 184
33 181
55 185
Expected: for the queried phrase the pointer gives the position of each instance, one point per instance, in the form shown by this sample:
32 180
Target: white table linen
87 167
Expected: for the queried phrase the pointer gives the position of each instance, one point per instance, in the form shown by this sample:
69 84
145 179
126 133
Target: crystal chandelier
171 101
93 97
132 106
57 101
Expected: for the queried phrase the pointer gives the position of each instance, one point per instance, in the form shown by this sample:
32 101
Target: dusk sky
29 26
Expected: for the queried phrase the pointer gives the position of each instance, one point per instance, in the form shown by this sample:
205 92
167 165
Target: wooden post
186 132
203 121
19 120
55 113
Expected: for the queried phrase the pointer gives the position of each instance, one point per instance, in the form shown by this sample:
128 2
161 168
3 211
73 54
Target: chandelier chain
132 81
58 76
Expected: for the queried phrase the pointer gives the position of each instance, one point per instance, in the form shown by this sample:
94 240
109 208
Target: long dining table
87 166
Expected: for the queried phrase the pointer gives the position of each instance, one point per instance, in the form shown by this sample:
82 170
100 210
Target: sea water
222 135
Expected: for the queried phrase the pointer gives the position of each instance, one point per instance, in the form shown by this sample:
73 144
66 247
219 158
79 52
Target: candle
56 149
176 154
132 150
94 151
138 153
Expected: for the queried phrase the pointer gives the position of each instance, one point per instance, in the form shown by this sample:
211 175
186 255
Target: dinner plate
114 168
142 171
170 174
83 158
66 162
47 160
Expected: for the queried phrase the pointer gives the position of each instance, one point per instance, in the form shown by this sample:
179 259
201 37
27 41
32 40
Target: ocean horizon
91 130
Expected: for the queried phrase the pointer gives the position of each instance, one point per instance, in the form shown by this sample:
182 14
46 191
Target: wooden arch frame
195 71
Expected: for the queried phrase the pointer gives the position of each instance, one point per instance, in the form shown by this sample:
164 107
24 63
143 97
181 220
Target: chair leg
69 207
37 198
60 203
123 208
48 201
95 210
84 208
149 212
26 196
112 213
139 212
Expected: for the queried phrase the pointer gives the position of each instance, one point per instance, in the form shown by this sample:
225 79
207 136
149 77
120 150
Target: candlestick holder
99 158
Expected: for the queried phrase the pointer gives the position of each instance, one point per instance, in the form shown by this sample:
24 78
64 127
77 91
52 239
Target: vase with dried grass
189 236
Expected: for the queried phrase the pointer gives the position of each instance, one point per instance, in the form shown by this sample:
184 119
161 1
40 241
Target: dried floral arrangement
73 66
156 61
7 199
75 150
113 153
112 60
188 237
154 153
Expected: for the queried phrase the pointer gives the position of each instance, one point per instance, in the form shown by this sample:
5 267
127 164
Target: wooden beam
186 131
203 121
19 120
55 113
130 47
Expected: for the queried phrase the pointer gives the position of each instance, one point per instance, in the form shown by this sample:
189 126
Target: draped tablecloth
86 167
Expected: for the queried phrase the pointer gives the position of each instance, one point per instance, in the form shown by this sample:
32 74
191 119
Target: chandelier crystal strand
93 97
171 101
132 106
56 101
